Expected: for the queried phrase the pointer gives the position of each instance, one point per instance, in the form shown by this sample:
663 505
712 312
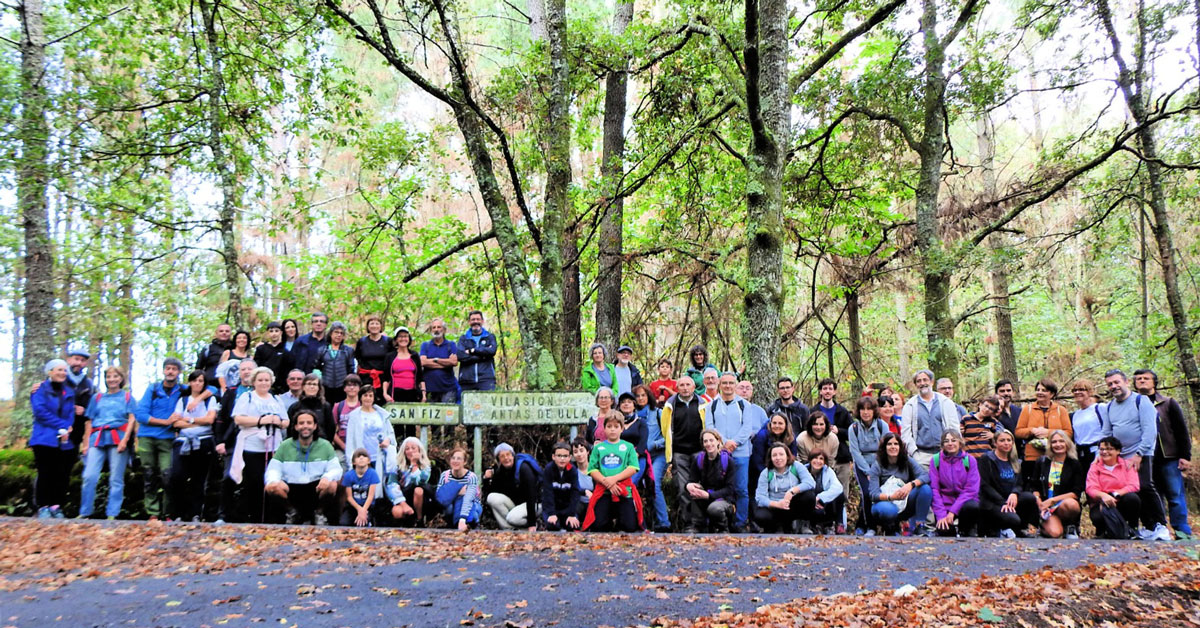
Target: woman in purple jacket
954 477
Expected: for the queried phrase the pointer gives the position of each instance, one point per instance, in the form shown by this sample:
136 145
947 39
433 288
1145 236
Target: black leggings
53 470
607 514
251 502
189 480
967 518
992 520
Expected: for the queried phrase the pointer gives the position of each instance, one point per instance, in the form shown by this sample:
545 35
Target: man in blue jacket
156 435
476 355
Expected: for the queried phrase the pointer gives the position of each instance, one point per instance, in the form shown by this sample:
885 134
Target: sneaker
805 528
661 529
320 519
57 512
219 522
905 529
1072 533
841 529
1183 536
1145 534
44 513
859 532
1161 533
870 532
1007 533
691 530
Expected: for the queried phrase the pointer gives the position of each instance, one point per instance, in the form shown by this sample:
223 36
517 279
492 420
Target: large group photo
669 313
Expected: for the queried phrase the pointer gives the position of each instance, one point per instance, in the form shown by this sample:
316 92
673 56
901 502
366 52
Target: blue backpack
526 459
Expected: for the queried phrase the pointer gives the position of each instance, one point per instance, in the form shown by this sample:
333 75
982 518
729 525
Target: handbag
892 485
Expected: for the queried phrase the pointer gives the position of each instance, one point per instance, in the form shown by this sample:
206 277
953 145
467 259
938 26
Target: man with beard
787 405
925 417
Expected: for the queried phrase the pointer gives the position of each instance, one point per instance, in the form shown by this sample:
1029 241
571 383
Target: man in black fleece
510 488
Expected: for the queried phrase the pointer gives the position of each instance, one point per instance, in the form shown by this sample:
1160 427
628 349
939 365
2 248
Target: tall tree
1137 92
33 176
612 168
538 310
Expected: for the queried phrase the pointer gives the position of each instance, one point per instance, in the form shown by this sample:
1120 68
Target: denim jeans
658 462
1169 479
93 464
917 508
741 489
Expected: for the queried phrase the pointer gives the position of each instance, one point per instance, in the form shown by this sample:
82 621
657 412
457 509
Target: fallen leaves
1152 594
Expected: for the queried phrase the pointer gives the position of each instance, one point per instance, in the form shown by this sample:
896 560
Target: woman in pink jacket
1112 482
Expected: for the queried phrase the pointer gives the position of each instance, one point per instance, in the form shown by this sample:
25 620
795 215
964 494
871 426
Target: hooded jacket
772 485
53 410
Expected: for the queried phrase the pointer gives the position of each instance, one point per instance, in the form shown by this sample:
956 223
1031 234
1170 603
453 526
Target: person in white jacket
368 428
925 418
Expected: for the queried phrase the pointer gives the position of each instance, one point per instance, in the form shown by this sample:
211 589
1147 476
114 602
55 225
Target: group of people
301 437
245 410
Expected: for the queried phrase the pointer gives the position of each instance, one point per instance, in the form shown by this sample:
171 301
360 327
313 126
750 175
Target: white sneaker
870 532
1161 533
1145 534
1072 533
1007 533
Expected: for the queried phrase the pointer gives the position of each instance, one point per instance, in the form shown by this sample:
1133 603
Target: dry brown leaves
1158 594
52 554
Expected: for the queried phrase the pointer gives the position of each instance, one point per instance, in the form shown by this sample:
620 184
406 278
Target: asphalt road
544 584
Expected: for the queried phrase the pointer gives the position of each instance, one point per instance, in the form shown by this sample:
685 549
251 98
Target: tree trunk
125 290
1143 278
903 334
1134 88
222 165
612 167
1002 314
769 109
555 286
572 323
856 363
936 265
32 181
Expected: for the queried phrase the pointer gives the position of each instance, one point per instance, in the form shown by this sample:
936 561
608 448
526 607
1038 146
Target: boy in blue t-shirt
362 484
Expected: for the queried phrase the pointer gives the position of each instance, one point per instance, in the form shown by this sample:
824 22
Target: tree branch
846 39
900 125
85 26
437 259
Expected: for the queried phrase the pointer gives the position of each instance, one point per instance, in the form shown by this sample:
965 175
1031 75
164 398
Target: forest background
845 188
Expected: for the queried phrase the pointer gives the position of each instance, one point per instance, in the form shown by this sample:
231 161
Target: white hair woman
262 423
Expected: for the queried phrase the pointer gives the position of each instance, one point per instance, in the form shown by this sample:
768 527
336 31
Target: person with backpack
780 497
737 420
335 363
156 438
954 478
341 410
476 355
560 491
106 435
225 432
900 493
711 491
1112 490
193 450
1133 419
273 354
1172 454
778 429
511 489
